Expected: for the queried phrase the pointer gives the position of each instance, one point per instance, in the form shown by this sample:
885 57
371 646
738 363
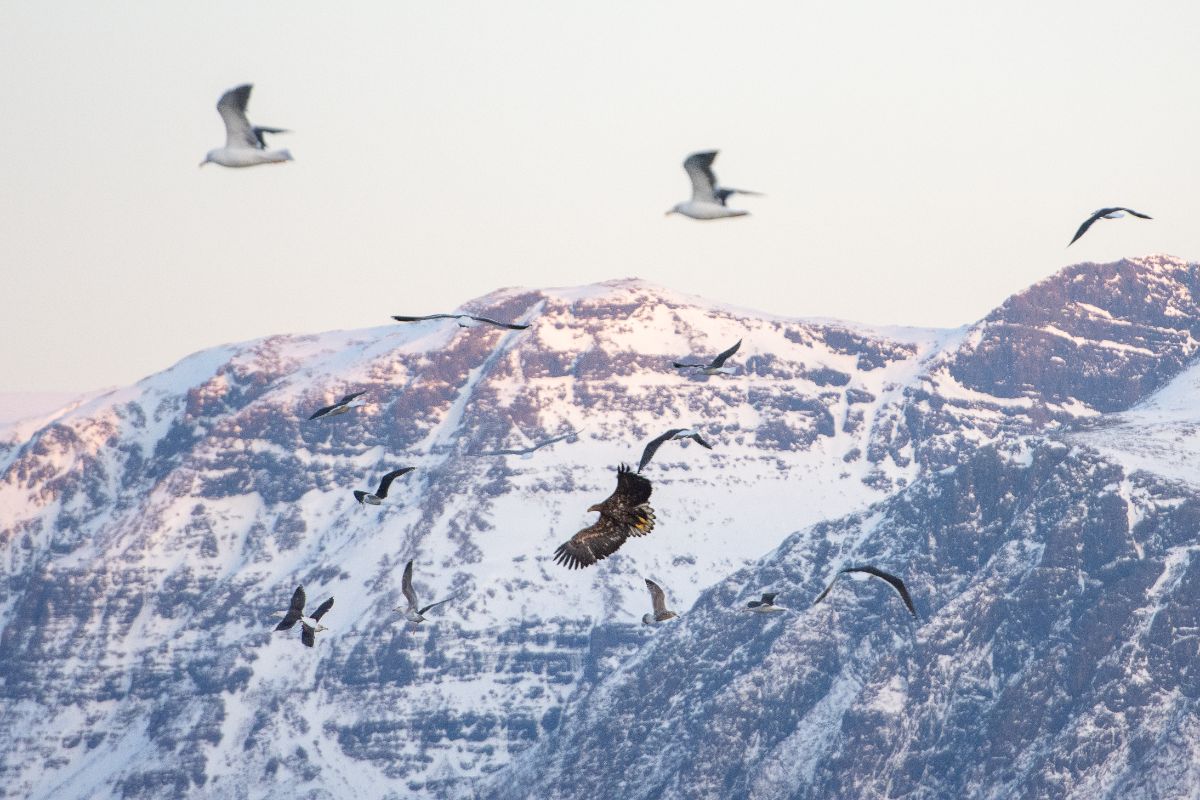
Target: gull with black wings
708 199
895 583
340 407
714 367
244 143
674 433
464 321
310 626
366 498
1116 212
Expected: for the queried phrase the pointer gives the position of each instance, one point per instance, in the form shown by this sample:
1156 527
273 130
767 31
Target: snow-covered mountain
152 536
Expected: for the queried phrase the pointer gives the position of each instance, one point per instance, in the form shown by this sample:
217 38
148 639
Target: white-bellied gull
708 199
764 606
674 433
659 601
895 582
1115 212
310 626
340 407
464 321
366 498
413 613
244 143
714 367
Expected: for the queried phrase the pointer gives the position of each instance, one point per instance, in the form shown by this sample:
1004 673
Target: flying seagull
661 614
896 583
674 433
716 366
244 143
625 513
708 199
529 451
765 606
340 407
411 612
464 321
1105 213
310 626
366 498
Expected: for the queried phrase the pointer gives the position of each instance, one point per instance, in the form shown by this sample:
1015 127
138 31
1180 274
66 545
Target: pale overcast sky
920 160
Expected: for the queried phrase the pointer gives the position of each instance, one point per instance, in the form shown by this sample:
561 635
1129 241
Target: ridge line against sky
919 164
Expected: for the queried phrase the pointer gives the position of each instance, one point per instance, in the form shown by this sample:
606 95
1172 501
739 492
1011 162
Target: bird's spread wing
427 316
322 609
1136 213
406 585
259 130
308 636
1087 223
232 108
704 183
657 597
828 588
719 360
433 605
896 583
677 365
510 325
386 480
320 412
294 612
768 599
695 437
594 543
632 491
653 446
350 398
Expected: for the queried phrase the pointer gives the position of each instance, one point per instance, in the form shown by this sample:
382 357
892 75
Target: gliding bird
674 433
244 143
366 498
464 321
708 199
714 367
340 407
895 582
1105 213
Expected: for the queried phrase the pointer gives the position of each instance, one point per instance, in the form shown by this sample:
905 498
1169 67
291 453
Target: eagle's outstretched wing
625 513
594 543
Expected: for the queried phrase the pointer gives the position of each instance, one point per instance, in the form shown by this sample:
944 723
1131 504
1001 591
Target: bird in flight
310 626
895 582
464 321
366 498
1105 213
340 407
765 606
244 143
659 601
674 433
714 367
413 613
625 513
708 199
528 452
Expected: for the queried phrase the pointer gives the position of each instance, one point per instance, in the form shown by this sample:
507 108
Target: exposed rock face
152 537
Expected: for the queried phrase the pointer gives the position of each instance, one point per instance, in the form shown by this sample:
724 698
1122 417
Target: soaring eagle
625 513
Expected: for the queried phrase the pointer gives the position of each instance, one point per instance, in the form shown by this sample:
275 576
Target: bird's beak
669 213
202 163
594 508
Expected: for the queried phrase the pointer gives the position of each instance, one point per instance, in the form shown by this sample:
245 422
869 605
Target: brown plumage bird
625 513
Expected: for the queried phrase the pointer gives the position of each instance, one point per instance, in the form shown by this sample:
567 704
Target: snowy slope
149 537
